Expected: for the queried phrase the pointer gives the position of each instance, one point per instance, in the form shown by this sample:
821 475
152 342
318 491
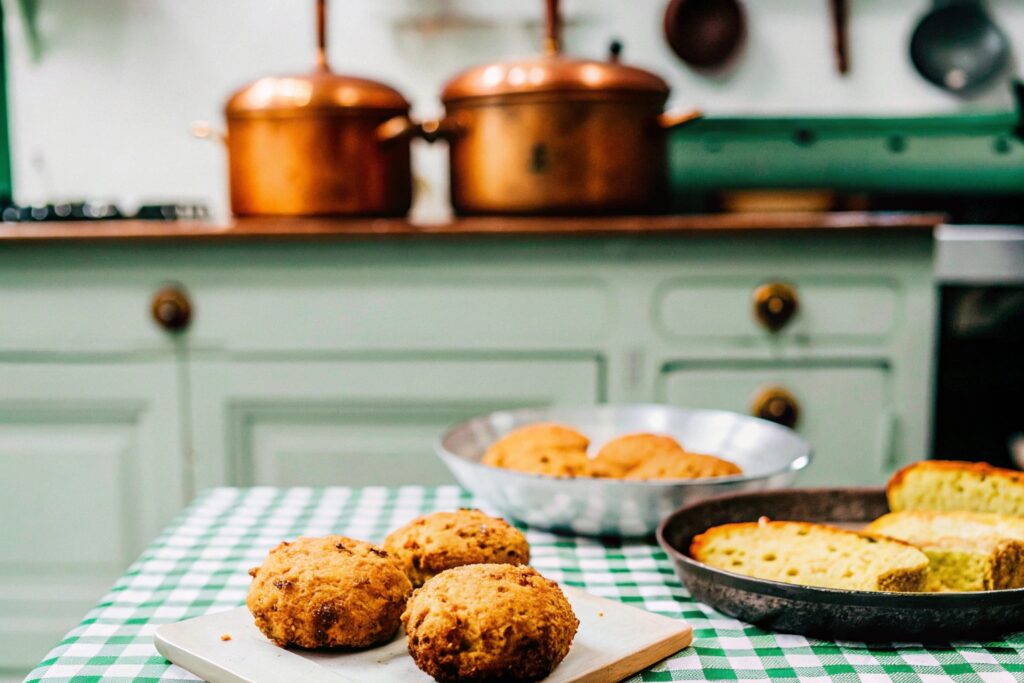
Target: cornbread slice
813 555
967 551
954 485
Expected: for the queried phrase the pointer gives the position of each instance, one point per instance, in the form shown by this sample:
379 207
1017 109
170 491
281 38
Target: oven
979 405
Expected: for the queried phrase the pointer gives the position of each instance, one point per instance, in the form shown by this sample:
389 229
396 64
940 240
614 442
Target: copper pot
553 135
319 144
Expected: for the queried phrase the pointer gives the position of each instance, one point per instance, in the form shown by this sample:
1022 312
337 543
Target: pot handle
398 128
1018 96
403 128
678 117
205 131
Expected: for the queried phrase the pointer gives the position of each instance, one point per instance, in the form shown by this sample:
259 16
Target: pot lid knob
615 51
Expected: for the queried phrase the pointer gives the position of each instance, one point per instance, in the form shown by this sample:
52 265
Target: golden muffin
328 592
683 466
622 454
545 448
430 544
489 622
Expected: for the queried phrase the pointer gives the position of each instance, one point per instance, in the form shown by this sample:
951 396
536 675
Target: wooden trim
380 228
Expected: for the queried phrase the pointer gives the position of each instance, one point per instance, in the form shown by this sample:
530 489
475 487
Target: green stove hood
966 154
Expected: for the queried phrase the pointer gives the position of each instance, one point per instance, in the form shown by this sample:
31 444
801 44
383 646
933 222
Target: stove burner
101 211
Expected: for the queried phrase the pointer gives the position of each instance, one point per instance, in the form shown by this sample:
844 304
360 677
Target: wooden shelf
387 228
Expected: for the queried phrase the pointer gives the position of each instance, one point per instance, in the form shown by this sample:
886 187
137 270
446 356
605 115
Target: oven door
979 411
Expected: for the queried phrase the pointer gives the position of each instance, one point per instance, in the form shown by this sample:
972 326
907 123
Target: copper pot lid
552 72
320 91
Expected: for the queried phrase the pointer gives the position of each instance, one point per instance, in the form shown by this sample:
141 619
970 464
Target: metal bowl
825 612
770 455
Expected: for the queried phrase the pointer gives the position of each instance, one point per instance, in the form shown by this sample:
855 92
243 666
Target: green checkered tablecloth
199 565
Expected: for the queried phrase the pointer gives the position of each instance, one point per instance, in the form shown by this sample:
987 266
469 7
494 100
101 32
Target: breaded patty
489 622
328 592
622 454
545 448
433 543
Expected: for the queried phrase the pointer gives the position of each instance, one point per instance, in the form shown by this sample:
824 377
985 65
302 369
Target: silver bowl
770 455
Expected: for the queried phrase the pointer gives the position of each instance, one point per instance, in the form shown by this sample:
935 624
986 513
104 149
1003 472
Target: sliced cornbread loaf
967 551
812 555
954 485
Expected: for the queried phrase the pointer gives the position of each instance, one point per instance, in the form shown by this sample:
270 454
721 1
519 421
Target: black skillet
822 612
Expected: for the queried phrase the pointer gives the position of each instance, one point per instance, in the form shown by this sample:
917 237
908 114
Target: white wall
104 111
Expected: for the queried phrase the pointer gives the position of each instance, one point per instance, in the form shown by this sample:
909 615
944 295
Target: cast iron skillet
823 612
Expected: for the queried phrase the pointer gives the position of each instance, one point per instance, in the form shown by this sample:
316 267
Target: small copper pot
556 135
319 144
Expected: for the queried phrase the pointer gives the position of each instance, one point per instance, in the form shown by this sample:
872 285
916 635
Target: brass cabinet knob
171 308
777 405
775 304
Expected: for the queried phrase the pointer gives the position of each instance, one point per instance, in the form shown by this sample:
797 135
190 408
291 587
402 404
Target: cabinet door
361 422
843 412
90 471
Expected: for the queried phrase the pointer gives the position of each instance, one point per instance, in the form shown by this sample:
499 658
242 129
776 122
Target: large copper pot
319 144
553 135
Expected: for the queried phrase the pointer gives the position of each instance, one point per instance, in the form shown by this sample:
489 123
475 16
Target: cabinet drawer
358 423
842 411
398 312
718 308
79 316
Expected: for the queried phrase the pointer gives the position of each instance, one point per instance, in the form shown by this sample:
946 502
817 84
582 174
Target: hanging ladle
705 34
958 47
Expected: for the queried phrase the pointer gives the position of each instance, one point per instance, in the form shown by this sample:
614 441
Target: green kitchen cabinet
843 410
358 422
340 362
90 471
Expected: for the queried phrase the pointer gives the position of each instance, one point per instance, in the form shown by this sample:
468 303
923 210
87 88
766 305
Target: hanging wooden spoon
840 38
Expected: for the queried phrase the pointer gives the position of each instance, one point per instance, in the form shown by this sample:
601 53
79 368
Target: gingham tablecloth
200 564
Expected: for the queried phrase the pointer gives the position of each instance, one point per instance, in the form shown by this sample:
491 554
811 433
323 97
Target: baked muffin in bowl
615 470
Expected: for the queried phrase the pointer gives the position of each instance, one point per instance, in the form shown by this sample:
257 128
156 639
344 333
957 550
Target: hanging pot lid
552 72
320 91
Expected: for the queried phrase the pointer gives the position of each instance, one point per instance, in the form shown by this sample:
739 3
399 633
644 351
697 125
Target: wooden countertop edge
386 228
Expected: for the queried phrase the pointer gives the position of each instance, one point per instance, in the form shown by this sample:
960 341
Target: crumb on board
600 614
225 636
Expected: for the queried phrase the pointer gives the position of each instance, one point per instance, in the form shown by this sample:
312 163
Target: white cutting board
614 641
